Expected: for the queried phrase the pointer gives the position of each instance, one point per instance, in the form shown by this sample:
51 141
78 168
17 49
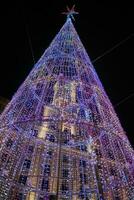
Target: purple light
60 137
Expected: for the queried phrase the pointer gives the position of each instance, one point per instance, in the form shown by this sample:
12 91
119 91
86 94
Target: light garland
60 137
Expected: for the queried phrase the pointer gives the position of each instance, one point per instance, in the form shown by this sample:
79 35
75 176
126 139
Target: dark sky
99 25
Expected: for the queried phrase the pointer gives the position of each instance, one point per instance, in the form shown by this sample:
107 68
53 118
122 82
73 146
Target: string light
60 137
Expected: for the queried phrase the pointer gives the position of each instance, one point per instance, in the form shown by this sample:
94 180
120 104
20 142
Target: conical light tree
60 137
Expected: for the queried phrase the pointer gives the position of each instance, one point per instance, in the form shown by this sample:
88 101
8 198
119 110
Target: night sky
100 26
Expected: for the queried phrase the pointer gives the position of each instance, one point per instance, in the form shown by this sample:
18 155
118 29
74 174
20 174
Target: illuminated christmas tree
60 137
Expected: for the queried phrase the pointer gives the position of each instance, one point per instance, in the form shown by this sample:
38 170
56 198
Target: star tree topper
70 12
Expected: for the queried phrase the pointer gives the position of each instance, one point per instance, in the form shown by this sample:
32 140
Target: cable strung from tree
114 47
23 15
109 51
30 42
124 99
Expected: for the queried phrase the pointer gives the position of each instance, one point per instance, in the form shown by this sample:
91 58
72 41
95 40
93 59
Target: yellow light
74 197
56 87
73 131
89 148
42 131
32 196
46 112
33 181
73 92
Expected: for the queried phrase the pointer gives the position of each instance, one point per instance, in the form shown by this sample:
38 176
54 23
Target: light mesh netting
60 137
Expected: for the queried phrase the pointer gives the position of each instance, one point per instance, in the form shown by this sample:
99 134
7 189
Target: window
98 152
47 169
113 172
52 126
49 154
45 185
4 157
73 71
64 187
79 94
65 173
117 197
65 159
39 87
81 113
27 164
56 70
110 154
51 138
65 137
82 133
20 196
34 132
81 195
45 72
105 139
52 197
65 130
30 149
9 143
83 147
23 179
90 115
84 77
83 178
82 163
